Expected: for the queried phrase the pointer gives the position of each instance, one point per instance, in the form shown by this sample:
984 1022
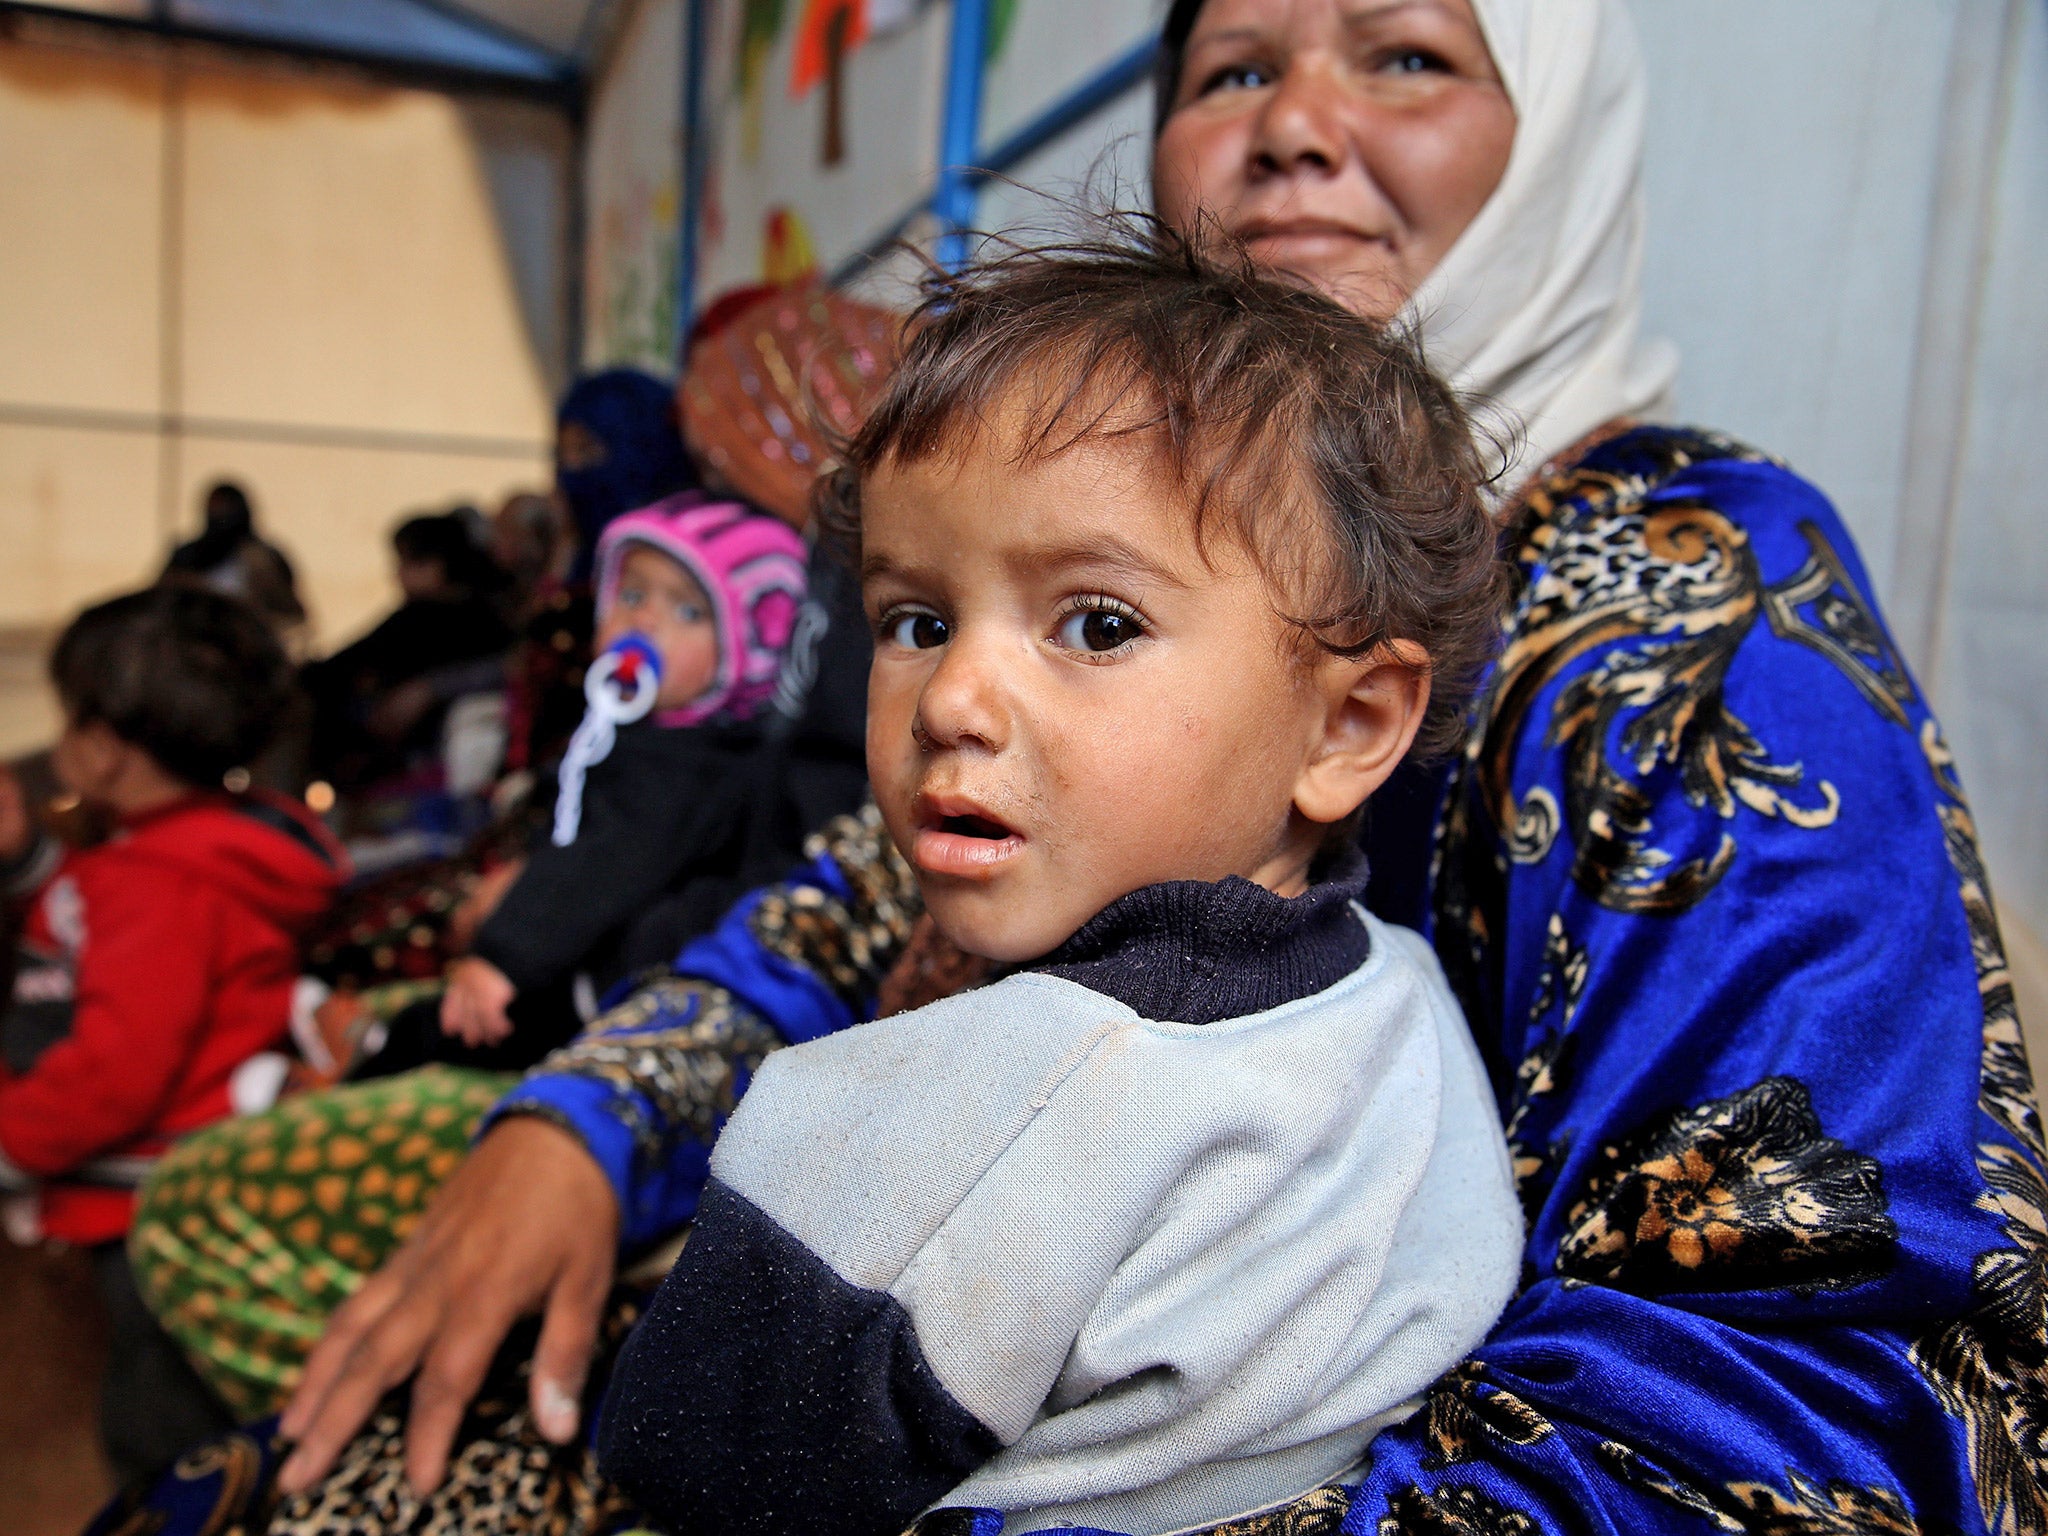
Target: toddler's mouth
974 826
957 837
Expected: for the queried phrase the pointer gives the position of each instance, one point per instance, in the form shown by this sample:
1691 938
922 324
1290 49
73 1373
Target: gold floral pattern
680 1044
849 943
1319 1512
1664 594
1990 1369
1669 593
1735 1193
1809 1508
1820 607
1560 982
1448 1511
1462 1408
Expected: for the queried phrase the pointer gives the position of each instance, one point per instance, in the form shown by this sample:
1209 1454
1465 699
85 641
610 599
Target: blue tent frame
433 43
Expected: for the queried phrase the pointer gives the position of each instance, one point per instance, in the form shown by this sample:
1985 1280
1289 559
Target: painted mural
634 196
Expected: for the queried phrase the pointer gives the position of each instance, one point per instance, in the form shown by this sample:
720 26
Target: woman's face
1347 141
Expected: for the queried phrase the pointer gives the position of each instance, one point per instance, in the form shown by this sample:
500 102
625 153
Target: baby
695 601
1169 566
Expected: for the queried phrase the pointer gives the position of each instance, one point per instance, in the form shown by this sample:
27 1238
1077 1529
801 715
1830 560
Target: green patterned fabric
250 1233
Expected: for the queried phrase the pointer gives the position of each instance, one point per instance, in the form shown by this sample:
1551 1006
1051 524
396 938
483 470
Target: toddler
155 971
1169 566
696 600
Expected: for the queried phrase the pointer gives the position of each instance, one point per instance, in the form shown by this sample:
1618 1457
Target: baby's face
661 600
1068 702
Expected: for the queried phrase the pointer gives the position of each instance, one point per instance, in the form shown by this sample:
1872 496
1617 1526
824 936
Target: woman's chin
1362 276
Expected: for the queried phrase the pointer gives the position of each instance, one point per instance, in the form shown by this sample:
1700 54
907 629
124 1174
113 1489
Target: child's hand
473 1007
17 826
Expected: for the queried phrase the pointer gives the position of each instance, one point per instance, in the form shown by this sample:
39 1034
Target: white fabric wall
1847 221
346 295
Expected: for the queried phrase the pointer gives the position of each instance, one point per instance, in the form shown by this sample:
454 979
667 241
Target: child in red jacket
152 969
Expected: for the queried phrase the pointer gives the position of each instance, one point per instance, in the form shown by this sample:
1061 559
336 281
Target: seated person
230 555
379 701
648 811
1168 568
154 967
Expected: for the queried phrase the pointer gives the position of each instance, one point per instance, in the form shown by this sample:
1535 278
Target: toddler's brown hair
1263 398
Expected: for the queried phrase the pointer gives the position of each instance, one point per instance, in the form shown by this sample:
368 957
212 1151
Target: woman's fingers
453 1372
378 1361
330 1356
568 1338
529 1221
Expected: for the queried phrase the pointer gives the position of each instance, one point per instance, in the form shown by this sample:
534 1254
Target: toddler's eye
690 613
631 597
1097 630
916 631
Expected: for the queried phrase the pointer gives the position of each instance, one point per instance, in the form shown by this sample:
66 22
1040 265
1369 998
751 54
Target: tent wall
346 295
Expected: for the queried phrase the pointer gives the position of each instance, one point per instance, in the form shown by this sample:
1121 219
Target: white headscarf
1538 305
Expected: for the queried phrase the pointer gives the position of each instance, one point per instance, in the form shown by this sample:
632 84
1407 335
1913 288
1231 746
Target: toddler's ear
1372 707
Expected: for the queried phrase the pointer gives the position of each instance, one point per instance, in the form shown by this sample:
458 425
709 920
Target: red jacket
173 949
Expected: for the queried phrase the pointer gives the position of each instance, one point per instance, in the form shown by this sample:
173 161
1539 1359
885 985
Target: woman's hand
529 1222
473 1007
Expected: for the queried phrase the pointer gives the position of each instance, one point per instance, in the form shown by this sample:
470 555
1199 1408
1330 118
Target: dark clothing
421 639
241 565
417 638
543 1020
153 1406
817 731
664 808
629 452
1193 952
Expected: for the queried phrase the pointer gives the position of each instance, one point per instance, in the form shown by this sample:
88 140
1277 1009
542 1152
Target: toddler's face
659 599
1068 702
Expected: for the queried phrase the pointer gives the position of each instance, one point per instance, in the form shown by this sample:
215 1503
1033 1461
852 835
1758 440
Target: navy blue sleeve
763 1394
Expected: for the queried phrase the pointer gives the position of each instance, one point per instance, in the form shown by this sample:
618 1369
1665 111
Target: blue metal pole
697 20
1125 72
954 198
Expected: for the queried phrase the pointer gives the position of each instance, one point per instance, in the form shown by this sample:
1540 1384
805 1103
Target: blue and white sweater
1158 1233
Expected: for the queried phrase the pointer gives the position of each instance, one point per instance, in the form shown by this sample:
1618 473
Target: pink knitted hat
750 565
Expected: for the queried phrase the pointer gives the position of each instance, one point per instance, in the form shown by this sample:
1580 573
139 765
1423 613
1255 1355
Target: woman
1703 876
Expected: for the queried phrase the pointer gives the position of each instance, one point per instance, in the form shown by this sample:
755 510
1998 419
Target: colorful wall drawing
633 169
826 37
787 254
